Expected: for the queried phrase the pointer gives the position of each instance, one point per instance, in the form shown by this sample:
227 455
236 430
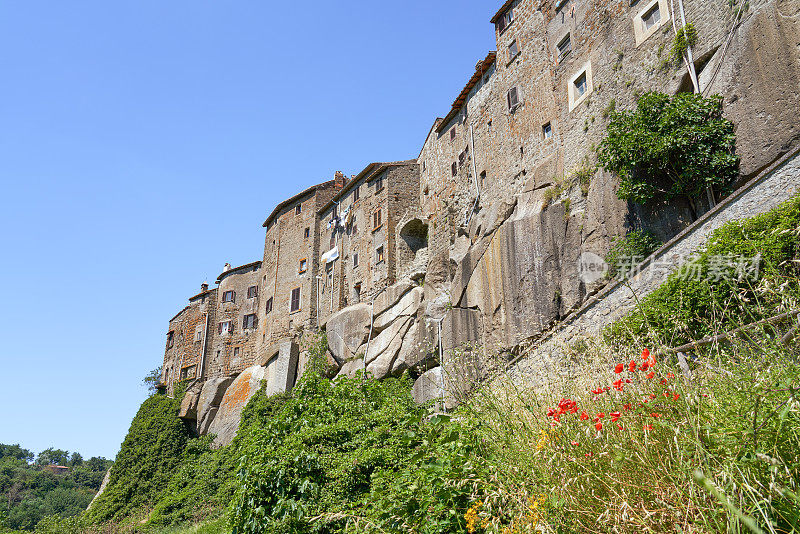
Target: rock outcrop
226 421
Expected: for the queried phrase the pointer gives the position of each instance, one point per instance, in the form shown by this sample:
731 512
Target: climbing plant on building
672 146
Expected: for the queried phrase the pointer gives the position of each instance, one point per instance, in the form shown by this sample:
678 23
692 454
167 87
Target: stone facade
478 241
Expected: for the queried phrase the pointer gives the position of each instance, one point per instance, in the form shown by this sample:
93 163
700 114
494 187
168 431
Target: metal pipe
205 345
689 55
371 323
474 177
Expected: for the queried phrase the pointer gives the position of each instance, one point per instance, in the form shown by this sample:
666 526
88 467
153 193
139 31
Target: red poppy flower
584 416
648 427
651 374
618 369
619 426
618 385
632 366
626 407
663 380
615 416
655 415
551 412
574 443
645 354
670 375
598 391
599 426
599 416
676 397
645 366
628 380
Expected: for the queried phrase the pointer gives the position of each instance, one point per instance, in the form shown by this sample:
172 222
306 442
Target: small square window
229 296
306 233
514 100
250 322
335 212
376 220
298 209
379 184
235 352
355 259
269 305
547 131
454 168
580 85
453 133
295 301
564 48
652 17
356 193
252 292
303 265
513 50
225 327
198 333
170 339
379 255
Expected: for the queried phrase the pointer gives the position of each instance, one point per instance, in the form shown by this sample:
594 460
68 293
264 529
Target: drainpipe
441 360
689 58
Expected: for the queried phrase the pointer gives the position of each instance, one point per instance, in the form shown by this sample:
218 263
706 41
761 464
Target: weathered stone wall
184 360
231 352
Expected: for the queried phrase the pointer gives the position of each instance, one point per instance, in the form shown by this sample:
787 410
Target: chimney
203 287
226 268
339 179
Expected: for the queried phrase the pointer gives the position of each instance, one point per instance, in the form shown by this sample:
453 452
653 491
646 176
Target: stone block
226 422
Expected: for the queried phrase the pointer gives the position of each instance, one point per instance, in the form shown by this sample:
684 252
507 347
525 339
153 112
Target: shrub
708 294
151 452
671 146
631 250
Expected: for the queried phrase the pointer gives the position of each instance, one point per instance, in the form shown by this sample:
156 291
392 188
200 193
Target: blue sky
143 143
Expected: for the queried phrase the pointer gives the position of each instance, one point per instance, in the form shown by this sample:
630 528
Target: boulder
229 413
429 387
407 305
208 401
391 296
415 350
383 350
350 369
347 329
188 409
281 372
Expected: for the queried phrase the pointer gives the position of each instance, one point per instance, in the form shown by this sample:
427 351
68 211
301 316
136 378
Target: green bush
149 455
708 295
670 146
630 250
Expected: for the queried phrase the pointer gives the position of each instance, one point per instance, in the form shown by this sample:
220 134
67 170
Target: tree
51 456
674 146
16 452
75 459
152 380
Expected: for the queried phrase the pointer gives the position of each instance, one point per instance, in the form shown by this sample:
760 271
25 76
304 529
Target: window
225 327
306 233
564 48
170 339
489 126
356 193
357 292
513 50
355 259
505 20
547 131
250 321
379 256
295 302
454 168
513 98
379 184
198 333
335 211
453 133
188 372
354 225
269 305
483 178
252 292
651 17
303 265
298 209
229 296
580 85
376 220
235 352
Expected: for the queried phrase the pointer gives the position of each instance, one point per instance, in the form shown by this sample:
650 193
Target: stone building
358 234
479 240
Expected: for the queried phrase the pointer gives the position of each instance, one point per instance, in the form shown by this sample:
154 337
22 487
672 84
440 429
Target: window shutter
219 328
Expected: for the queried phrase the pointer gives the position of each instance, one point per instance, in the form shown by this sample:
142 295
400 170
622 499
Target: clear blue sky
143 143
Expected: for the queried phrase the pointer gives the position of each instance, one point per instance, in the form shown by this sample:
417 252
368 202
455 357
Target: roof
292 200
202 293
371 172
239 268
480 70
502 10
435 124
177 314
